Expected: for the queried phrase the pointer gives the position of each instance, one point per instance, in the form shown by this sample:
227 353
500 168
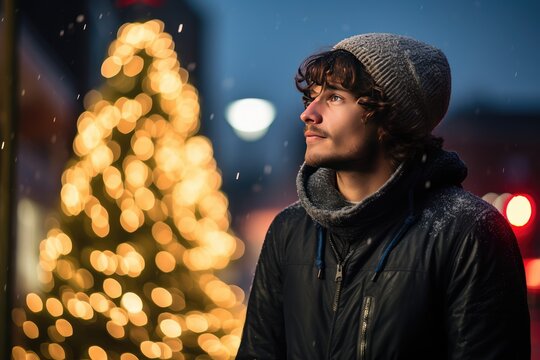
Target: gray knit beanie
414 76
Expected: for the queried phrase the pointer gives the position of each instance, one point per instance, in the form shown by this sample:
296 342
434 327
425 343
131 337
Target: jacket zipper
364 323
339 280
339 274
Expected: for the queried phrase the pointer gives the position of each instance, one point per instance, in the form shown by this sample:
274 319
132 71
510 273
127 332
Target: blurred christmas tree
128 270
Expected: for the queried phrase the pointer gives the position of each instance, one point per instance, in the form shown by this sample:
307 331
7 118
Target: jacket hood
324 203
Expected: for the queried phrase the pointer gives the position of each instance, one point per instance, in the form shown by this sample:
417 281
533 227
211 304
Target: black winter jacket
420 270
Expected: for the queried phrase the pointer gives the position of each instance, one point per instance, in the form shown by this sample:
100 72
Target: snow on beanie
414 76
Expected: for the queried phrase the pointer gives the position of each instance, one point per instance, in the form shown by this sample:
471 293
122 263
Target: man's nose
312 113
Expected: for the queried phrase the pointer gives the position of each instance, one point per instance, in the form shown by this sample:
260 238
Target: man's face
337 136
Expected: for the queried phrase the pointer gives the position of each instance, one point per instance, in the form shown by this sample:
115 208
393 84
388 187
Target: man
385 256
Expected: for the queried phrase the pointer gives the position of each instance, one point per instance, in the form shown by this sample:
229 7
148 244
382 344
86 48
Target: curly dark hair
340 67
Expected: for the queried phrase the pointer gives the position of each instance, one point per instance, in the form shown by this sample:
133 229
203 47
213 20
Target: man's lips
313 134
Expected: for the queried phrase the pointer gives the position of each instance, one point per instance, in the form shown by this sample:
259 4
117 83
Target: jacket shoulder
454 205
289 229
461 220
289 215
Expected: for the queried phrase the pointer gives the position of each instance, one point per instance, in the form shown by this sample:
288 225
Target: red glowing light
532 273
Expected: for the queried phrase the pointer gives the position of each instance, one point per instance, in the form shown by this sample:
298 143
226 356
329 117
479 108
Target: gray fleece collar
322 200
324 203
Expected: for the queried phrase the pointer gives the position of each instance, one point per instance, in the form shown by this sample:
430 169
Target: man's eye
335 98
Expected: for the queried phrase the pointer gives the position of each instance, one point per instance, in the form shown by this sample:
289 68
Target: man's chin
363 165
317 161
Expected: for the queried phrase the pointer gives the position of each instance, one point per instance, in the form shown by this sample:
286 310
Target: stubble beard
363 158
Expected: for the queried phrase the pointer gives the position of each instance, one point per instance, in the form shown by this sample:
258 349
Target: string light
145 222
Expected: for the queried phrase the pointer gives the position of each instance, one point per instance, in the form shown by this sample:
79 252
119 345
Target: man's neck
355 186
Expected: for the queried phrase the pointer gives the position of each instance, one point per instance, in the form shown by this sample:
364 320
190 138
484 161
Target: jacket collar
324 203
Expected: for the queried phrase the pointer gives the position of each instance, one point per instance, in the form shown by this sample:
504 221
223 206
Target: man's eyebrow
335 87
326 87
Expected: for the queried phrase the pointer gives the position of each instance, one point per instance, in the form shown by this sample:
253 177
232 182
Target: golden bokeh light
162 297
30 329
175 344
54 335
130 219
97 353
34 302
145 101
54 307
198 150
131 110
166 351
111 66
161 47
116 331
168 82
80 309
56 351
91 134
128 356
112 180
132 302
134 66
170 328
83 278
71 198
65 269
150 349
138 319
119 316
196 322
99 302
112 288
18 353
232 343
136 173
99 260
143 147
165 261
144 198
132 262
209 343
64 328
162 232
106 119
